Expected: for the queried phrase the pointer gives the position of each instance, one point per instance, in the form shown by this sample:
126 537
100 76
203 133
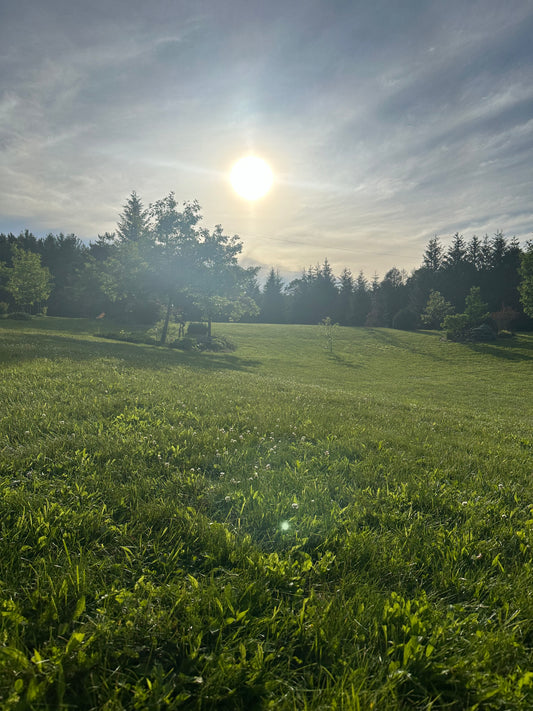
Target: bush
20 316
197 329
183 344
405 320
128 337
505 334
456 327
482 333
437 308
216 344
4 308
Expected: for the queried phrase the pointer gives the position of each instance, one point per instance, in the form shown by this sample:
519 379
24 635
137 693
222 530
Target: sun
251 177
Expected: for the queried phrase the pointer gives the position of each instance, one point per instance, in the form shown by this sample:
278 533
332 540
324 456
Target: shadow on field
391 338
19 348
341 360
512 350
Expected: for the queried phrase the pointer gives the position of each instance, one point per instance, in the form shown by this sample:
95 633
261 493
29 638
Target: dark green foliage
475 307
456 327
464 327
162 262
215 344
4 308
526 283
183 344
482 333
405 320
197 329
272 300
20 316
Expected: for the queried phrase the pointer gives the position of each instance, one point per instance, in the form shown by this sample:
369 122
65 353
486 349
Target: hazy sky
385 121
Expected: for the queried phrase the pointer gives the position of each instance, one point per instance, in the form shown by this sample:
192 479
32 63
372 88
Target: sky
385 122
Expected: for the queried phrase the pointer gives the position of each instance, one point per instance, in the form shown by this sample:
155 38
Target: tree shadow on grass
342 361
393 339
17 348
516 350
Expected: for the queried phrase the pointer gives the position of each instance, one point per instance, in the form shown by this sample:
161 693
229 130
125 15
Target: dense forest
161 264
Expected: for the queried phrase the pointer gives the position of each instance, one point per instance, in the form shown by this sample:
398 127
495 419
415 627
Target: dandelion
294 505
227 498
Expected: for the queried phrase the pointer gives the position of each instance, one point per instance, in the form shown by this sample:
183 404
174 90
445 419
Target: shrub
456 327
505 334
4 308
197 329
217 344
183 344
405 320
20 316
504 318
481 333
437 308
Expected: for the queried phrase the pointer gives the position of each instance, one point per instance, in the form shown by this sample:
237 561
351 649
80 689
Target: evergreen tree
475 308
474 254
433 256
133 225
273 299
437 308
361 300
345 298
526 283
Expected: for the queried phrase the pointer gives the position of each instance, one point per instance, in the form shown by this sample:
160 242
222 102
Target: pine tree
134 224
272 299
346 285
433 255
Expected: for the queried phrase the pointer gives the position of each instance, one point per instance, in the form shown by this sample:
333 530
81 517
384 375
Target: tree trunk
167 319
209 326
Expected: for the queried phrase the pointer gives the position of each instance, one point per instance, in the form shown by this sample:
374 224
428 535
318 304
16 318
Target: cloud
386 123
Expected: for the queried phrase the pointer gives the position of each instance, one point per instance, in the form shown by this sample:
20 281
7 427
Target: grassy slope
278 526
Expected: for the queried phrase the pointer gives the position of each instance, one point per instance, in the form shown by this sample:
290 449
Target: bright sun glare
251 177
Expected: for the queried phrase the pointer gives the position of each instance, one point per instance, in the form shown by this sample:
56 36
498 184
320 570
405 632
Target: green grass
278 527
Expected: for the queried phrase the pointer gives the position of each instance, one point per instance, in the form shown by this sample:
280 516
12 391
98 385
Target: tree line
498 269
160 263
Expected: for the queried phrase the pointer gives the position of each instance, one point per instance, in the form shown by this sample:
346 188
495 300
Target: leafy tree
328 329
526 283
27 281
219 284
437 308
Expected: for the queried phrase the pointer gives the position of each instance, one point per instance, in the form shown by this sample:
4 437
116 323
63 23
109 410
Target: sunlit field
276 527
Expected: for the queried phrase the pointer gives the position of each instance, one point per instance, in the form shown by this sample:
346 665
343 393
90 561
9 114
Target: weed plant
275 528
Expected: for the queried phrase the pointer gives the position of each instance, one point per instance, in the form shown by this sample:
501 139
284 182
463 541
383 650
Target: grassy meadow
275 528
